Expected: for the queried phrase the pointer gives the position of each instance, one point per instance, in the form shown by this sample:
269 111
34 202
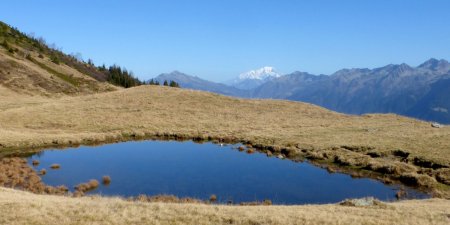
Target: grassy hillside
39 76
29 66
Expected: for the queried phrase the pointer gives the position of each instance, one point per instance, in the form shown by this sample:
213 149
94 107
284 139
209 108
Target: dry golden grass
18 207
34 122
149 110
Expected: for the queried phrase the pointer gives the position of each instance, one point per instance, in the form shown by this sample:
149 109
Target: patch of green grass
62 76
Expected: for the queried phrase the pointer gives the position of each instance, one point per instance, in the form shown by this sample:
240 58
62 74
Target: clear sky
218 39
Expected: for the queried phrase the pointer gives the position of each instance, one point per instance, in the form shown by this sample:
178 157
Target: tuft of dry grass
213 198
42 172
55 166
89 186
35 162
106 180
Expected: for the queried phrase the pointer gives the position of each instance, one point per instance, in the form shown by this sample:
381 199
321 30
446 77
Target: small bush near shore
213 198
106 180
55 166
43 172
85 187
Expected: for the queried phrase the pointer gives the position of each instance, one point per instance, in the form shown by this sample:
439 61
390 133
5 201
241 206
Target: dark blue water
187 169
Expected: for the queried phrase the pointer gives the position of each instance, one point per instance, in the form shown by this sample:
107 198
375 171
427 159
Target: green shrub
55 59
174 84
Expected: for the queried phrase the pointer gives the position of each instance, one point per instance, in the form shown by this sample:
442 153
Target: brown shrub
89 186
213 198
55 166
16 173
43 172
35 162
93 183
106 180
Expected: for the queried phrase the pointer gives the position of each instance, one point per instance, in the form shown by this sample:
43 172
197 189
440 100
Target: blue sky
218 39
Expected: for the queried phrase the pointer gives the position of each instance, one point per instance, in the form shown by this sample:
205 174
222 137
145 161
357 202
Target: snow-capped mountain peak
259 74
254 78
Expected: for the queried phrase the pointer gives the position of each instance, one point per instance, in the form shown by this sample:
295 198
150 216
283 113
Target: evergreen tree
165 83
102 68
174 84
122 77
90 62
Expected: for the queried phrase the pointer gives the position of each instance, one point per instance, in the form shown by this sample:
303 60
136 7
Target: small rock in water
437 125
35 162
280 156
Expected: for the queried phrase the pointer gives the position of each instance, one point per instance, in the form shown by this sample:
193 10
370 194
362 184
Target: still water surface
188 169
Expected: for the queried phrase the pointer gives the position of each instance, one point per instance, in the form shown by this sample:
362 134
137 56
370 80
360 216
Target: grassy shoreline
271 151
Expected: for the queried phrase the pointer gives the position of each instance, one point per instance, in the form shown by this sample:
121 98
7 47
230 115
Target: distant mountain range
422 92
196 83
